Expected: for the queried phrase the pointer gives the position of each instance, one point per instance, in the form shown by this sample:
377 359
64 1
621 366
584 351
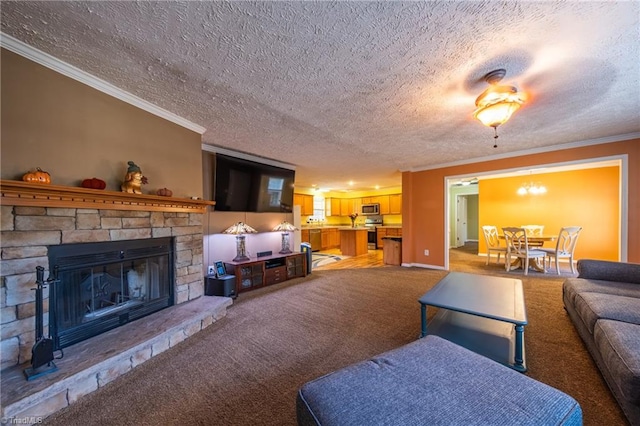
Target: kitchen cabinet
383 200
333 206
346 206
353 241
389 204
334 238
330 238
392 254
304 236
305 202
382 232
395 204
325 239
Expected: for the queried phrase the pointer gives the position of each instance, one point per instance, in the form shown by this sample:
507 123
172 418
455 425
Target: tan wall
423 197
76 132
589 198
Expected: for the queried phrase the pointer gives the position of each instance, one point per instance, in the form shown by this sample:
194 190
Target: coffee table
482 313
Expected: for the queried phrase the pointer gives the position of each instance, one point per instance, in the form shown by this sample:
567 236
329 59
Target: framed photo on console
219 269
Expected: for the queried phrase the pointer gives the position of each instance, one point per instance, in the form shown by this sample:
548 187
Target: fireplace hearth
99 286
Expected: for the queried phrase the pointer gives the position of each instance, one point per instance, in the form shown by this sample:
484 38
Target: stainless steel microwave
369 209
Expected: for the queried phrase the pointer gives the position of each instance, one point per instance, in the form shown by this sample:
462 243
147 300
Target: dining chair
518 247
493 242
534 231
565 246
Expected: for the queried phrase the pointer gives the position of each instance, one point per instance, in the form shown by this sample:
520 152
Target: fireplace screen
101 286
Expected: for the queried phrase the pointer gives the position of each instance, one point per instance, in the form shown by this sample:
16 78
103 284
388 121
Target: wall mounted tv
247 186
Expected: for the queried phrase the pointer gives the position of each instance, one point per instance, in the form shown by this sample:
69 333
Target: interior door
461 220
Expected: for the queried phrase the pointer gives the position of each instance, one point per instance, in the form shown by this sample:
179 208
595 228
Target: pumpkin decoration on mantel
164 192
94 183
38 176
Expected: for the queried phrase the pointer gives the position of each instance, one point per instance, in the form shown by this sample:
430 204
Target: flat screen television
247 186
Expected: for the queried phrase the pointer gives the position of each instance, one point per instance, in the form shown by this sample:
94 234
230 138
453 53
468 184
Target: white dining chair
565 247
493 242
534 231
518 247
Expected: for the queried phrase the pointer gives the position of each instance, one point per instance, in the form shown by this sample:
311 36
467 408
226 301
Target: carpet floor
246 368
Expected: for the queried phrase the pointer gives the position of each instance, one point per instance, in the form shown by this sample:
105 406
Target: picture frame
220 270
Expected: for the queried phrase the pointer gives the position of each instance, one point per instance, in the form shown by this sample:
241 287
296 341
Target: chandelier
532 189
496 104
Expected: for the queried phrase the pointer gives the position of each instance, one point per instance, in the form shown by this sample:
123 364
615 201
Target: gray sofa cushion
432 382
619 346
609 271
594 306
573 286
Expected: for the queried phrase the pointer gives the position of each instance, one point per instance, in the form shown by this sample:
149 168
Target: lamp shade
239 228
285 227
497 104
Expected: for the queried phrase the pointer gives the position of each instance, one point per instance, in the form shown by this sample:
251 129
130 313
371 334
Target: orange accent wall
423 197
589 198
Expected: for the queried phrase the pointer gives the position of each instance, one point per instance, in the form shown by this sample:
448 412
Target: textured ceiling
356 91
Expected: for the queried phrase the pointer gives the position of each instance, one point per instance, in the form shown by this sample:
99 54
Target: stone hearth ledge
91 364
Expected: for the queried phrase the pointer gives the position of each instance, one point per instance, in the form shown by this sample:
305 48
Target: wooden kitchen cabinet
380 234
346 206
333 206
305 202
386 232
395 204
383 200
334 237
304 236
324 236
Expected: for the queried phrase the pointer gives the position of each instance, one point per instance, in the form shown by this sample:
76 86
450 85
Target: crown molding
600 141
20 48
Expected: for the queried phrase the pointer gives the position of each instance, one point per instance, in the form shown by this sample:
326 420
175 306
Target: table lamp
285 227
239 229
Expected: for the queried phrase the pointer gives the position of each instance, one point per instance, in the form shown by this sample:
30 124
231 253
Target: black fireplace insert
101 286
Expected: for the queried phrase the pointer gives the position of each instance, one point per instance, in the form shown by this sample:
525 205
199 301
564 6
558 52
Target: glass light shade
496 114
239 228
285 226
497 104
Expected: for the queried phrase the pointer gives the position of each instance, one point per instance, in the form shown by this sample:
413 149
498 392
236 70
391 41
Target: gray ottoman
432 382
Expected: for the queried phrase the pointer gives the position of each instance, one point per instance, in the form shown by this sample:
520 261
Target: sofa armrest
609 271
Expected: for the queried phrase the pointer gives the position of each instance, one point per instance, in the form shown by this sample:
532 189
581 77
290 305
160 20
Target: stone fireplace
45 225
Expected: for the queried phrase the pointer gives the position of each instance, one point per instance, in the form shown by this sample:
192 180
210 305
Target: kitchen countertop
306 227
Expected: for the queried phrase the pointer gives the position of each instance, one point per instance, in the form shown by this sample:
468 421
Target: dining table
534 242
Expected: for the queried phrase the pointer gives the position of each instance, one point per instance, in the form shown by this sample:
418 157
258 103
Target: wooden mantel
17 193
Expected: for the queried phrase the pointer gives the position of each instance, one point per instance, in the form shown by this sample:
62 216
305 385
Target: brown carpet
246 368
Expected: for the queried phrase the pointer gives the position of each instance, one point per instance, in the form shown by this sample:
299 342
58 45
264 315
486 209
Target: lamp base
286 251
241 259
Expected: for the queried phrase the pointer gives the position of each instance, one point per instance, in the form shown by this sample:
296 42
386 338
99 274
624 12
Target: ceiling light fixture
496 104
532 189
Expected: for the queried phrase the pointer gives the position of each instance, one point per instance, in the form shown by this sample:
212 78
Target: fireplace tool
42 351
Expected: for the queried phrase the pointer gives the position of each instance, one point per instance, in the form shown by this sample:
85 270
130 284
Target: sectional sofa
604 304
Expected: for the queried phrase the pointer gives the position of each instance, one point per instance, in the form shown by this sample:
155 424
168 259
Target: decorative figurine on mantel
133 180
